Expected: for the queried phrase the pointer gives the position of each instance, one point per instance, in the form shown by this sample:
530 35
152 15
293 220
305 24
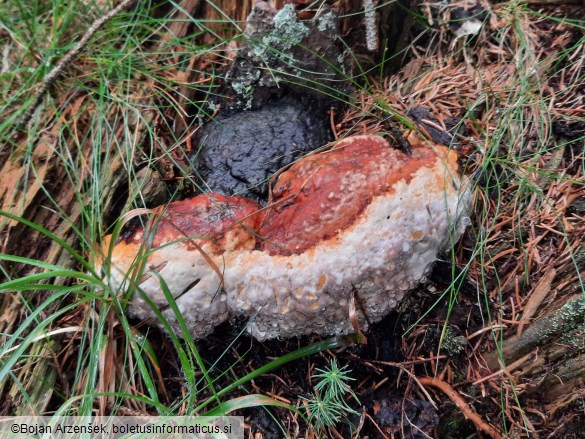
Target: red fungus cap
323 194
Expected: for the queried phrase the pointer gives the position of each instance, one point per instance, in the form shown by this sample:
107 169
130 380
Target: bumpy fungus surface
362 221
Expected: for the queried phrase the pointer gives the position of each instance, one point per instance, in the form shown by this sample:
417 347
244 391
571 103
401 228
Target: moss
453 344
244 88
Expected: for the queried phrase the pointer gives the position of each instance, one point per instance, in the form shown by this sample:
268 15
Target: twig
506 369
377 426
486 329
66 60
539 333
411 375
461 404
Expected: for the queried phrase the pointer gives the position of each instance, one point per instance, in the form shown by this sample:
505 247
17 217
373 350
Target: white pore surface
383 255
194 285
377 261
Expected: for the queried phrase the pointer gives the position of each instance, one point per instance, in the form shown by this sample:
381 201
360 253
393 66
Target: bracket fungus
360 223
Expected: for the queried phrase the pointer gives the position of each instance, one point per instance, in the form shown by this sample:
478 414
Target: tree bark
549 356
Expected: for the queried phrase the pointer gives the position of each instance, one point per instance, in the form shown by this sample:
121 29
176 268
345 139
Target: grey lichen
288 32
288 29
327 21
567 317
283 55
575 339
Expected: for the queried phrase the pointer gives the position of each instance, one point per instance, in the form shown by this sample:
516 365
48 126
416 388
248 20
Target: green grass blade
247 401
